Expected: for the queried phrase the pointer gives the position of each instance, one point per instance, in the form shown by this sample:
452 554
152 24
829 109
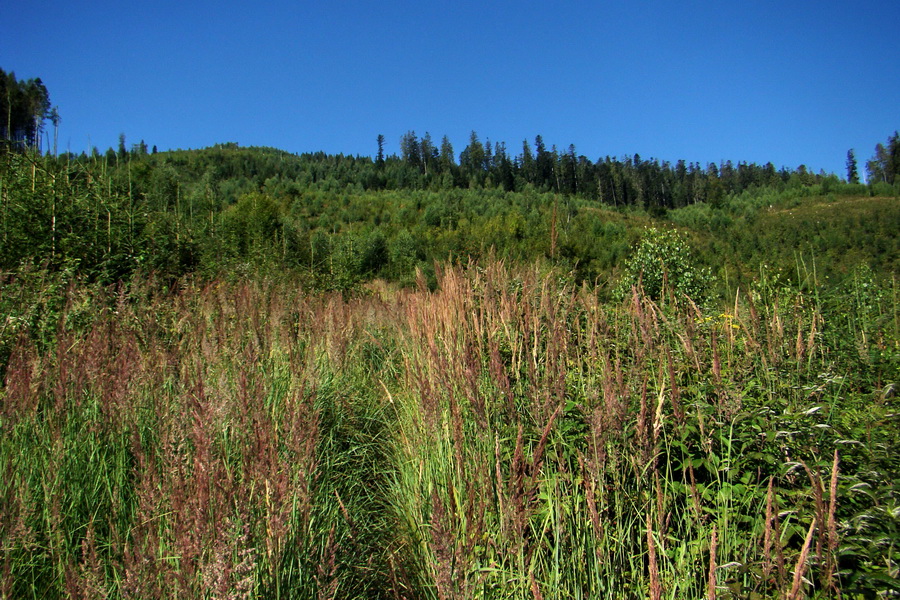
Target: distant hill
341 220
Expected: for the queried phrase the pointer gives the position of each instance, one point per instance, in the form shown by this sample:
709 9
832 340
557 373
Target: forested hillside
342 220
239 372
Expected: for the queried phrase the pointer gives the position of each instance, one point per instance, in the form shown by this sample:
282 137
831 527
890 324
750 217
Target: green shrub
881 188
663 260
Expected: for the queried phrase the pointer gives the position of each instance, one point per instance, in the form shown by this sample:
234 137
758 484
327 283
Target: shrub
663 260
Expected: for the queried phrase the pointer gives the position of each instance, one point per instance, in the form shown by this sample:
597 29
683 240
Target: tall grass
192 444
505 436
553 447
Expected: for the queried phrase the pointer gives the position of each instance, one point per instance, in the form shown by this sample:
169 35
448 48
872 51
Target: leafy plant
663 261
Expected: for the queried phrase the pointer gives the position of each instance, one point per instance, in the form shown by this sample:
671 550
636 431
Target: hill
240 372
340 220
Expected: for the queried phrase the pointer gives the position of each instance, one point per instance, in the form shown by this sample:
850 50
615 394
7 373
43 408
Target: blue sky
789 82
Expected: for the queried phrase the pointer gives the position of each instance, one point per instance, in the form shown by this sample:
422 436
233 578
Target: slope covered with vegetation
237 372
339 221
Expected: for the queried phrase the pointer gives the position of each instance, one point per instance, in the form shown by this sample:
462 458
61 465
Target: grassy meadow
506 434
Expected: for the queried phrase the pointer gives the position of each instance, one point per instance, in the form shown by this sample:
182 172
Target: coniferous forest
484 371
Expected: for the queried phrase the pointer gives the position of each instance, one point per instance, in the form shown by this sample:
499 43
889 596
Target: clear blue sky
789 82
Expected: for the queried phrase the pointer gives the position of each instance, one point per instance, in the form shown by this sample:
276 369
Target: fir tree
852 172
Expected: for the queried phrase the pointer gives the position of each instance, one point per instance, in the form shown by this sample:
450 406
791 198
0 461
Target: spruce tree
379 159
852 172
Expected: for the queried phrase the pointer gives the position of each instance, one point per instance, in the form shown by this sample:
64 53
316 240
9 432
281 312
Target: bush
880 188
663 260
